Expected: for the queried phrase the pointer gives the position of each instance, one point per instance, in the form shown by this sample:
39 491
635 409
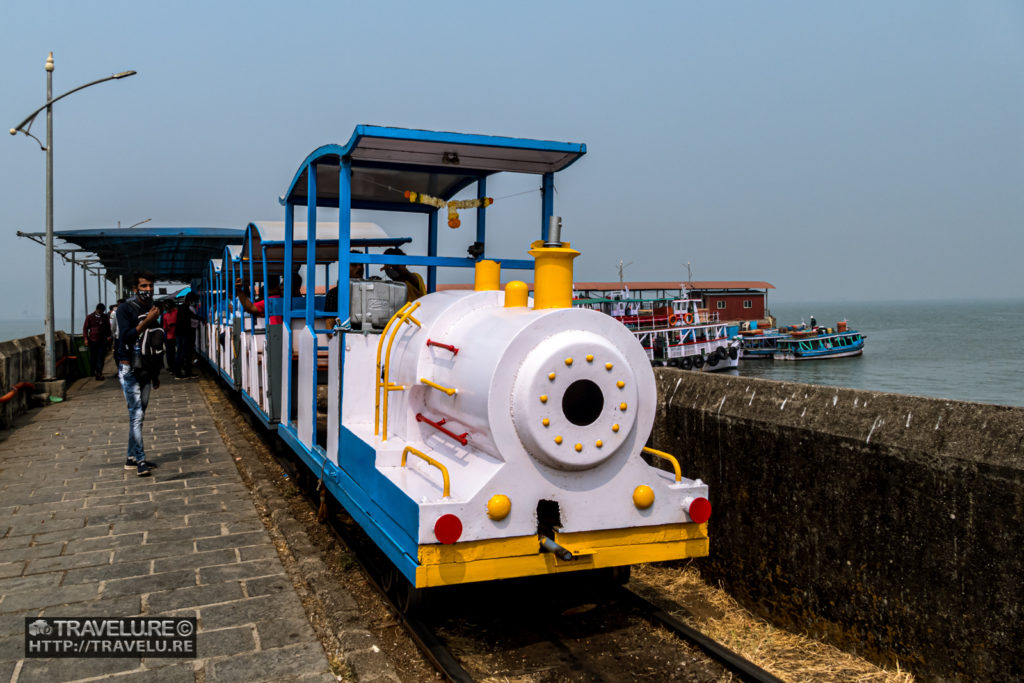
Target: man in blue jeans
133 317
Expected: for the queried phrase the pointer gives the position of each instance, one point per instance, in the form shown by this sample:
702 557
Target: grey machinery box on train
373 302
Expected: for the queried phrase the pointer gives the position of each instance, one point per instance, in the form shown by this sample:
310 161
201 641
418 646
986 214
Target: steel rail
745 669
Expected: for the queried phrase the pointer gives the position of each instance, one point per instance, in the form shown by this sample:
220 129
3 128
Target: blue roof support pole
432 251
310 243
266 282
345 244
311 200
252 289
289 228
481 215
220 295
208 292
547 195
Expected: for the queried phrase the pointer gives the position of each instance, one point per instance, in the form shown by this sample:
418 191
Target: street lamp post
49 368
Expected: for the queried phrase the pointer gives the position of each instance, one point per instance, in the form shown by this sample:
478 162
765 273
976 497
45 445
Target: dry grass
791 657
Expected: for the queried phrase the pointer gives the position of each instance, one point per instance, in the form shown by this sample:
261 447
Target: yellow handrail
670 458
377 377
388 386
446 492
434 385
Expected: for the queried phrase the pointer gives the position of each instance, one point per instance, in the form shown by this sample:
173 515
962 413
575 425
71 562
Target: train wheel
620 575
606 576
388 580
687 364
407 598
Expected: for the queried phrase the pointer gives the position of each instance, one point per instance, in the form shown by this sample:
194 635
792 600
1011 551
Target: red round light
448 529
700 510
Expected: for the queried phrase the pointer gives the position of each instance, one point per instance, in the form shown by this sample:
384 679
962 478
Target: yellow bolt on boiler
643 496
498 507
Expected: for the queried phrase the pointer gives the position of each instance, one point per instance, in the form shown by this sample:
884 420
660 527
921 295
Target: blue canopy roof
175 254
388 161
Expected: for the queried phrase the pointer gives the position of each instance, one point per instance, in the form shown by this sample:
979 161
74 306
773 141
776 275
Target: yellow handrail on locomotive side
377 377
405 317
446 491
670 458
434 385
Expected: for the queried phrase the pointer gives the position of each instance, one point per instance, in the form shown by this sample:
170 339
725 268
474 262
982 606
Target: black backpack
148 353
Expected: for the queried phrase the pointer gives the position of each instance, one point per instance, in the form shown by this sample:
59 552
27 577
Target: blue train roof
386 162
177 254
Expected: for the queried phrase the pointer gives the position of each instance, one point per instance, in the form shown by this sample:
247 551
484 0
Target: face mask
144 297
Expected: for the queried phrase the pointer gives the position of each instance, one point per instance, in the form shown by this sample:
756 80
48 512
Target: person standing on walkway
113 320
186 328
96 333
133 318
169 322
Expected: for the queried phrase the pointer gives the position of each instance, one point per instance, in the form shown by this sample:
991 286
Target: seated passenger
260 307
355 272
415 288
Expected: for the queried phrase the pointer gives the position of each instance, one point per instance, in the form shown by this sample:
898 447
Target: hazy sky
849 151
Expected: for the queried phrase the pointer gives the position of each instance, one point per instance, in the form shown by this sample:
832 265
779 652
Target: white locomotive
481 434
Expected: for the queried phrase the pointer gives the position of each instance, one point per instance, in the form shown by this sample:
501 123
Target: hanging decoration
453 205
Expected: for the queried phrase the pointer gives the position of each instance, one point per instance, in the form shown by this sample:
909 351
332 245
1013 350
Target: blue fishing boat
802 343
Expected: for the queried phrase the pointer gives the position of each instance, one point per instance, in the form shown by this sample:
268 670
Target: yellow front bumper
506 558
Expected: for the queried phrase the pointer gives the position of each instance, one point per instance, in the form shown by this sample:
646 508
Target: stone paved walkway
81 536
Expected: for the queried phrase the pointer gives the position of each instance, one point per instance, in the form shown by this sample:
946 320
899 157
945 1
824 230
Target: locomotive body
476 435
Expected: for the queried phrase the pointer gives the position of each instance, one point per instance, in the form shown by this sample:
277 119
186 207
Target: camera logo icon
40 627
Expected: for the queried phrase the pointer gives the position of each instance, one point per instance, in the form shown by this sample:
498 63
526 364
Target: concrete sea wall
890 525
21 360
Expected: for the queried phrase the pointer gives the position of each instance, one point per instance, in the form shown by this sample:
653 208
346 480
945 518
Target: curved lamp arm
30 117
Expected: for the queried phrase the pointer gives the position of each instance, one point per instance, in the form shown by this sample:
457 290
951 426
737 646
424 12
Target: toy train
474 435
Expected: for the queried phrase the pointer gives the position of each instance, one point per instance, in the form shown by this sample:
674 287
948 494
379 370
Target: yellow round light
498 507
579 447
551 375
568 361
615 428
623 406
543 398
620 384
545 422
558 439
599 443
608 366
590 358
643 496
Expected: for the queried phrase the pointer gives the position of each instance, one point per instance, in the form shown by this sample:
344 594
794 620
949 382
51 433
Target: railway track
743 668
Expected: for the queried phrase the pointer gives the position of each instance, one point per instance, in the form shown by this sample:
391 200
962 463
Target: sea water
964 350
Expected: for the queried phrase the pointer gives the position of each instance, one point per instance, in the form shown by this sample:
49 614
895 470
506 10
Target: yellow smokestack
552 282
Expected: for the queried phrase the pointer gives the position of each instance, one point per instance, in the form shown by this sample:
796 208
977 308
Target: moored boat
674 331
803 343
